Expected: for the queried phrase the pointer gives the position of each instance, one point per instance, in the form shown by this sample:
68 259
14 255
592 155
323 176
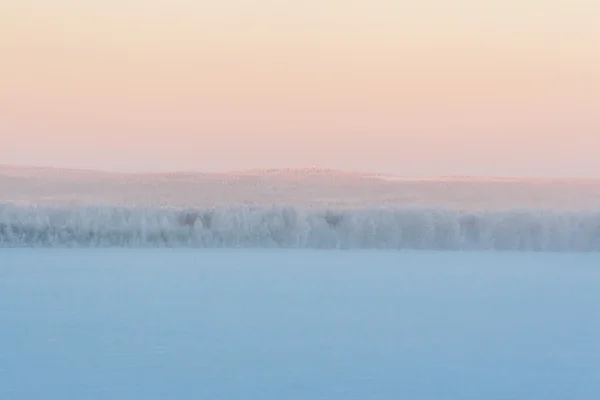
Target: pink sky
426 87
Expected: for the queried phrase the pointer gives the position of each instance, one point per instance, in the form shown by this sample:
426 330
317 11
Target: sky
415 88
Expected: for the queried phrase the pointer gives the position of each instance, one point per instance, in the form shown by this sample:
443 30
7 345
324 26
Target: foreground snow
189 324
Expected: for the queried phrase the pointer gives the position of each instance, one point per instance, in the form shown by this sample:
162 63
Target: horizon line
376 175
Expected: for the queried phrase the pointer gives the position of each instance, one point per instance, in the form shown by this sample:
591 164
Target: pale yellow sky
428 87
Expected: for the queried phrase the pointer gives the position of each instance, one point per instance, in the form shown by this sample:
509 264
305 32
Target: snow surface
264 323
243 324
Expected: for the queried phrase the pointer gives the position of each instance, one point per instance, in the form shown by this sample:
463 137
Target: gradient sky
420 87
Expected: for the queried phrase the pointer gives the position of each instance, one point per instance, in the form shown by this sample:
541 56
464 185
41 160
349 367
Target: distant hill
306 187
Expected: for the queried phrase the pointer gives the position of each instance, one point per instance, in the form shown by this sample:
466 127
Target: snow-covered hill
308 208
299 187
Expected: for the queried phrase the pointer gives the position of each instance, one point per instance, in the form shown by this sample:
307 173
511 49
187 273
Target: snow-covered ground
280 321
298 324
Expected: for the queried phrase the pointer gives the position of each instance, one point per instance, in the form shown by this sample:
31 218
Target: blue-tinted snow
189 324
